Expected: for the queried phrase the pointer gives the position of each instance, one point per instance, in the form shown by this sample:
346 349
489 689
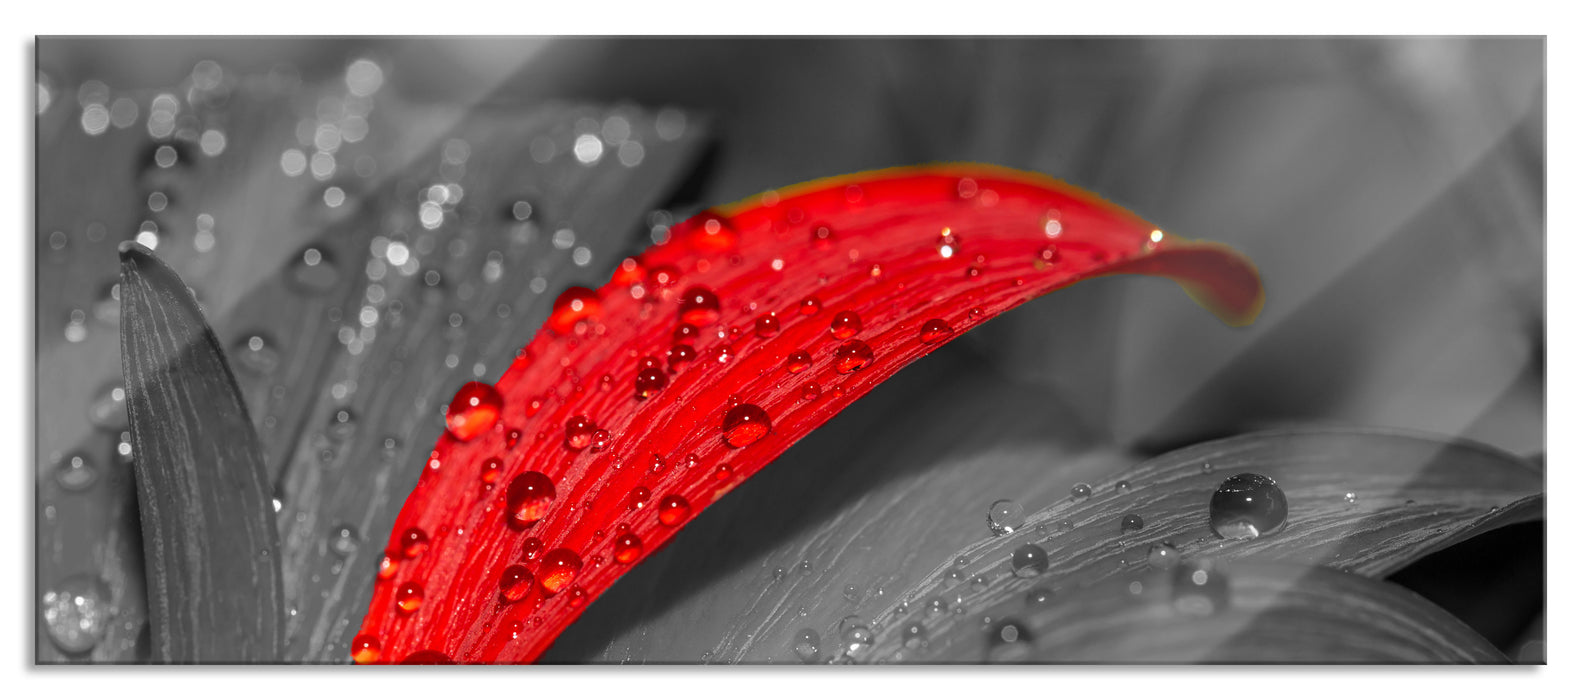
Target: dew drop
474 409
78 613
806 645
1163 555
628 548
313 272
76 472
855 635
1246 506
388 566
1351 497
344 540
1131 522
573 306
1081 492
528 499
673 509
409 597
490 472
914 635
822 235
637 498
798 360
558 569
531 548
1029 560
1123 487
1005 516
1197 588
600 441
413 542
766 325
811 391
934 331
852 356
745 424
515 583
579 432
810 306
680 355
948 244
649 381
845 325
699 306
365 649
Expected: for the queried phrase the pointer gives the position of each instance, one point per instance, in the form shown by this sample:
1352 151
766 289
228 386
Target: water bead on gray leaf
1009 642
1029 560
76 472
1197 588
806 645
1081 492
1246 506
1005 516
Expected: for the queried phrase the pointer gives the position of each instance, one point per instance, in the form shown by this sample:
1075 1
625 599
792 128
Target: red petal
860 275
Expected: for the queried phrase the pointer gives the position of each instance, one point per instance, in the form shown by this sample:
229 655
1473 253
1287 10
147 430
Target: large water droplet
628 548
365 649
798 361
474 409
1163 555
528 499
76 472
845 325
575 305
515 583
579 432
1081 492
558 569
934 330
1029 560
1005 516
412 542
854 635
649 381
699 306
1131 522
852 355
673 509
1247 506
1197 588
806 645
409 597
745 425
77 613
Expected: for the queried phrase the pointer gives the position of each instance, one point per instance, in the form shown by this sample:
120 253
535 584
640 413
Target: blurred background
1390 190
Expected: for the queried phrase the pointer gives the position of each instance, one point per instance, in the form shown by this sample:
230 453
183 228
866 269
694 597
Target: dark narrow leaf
1247 612
210 545
1362 501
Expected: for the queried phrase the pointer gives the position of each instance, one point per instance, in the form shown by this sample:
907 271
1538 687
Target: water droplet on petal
845 325
766 325
413 542
1247 506
515 582
649 381
914 635
934 331
806 646
798 360
474 409
745 425
344 540
673 510
313 272
1010 642
558 569
1005 516
810 306
628 548
365 649
573 306
852 356
409 597
1029 560
1081 492
1123 487
579 432
1163 555
1131 522
699 306
528 499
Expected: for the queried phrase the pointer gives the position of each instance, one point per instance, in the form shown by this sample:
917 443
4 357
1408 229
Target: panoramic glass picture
801 351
